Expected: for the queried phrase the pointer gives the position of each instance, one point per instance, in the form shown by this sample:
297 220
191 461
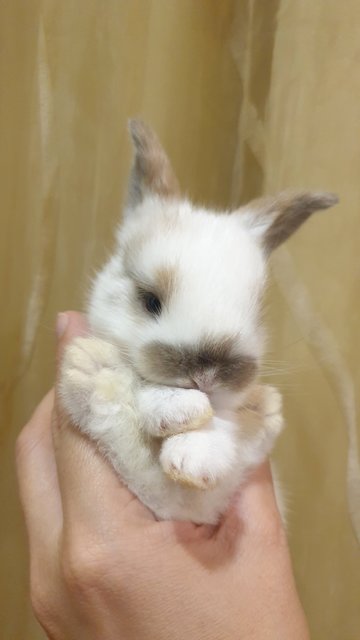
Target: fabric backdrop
248 96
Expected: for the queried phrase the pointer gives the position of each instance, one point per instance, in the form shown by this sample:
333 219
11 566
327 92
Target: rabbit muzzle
208 365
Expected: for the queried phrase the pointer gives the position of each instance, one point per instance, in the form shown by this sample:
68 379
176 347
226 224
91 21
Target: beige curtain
249 96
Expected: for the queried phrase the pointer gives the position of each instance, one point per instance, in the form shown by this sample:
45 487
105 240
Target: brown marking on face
288 211
166 362
152 171
165 224
165 283
162 283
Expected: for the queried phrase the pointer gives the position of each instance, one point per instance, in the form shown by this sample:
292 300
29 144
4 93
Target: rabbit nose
205 379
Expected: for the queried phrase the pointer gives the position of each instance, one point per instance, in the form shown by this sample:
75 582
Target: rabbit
166 382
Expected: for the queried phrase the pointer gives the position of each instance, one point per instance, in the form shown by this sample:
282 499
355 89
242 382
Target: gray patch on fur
169 362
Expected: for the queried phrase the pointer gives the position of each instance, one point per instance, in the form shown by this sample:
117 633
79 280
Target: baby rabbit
166 384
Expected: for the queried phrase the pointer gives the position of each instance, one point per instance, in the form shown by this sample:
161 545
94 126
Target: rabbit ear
274 218
151 171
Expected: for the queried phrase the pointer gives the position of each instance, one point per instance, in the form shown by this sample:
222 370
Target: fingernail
62 322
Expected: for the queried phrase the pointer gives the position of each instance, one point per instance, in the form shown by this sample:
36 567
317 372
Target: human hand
102 567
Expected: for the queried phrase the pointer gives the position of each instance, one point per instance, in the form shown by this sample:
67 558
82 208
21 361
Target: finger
254 512
256 502
69 325
37 478
93 495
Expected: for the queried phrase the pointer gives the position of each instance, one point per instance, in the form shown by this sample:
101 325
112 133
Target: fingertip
62 322
256 502
69 325
262 474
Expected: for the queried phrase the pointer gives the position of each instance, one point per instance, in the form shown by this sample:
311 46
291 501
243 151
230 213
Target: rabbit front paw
274 420
264 409
92 385
168 411
198 458
261 422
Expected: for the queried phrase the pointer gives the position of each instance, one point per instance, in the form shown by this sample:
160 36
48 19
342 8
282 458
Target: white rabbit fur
166 383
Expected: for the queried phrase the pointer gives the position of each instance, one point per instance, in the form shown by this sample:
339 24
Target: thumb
69 325
256 504
254 514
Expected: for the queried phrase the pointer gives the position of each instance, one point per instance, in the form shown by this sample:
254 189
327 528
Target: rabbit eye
152 303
